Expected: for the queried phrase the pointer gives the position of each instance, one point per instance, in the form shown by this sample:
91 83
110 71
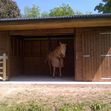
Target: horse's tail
47 60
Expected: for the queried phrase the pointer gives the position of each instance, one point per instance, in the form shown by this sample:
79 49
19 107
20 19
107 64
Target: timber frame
92 36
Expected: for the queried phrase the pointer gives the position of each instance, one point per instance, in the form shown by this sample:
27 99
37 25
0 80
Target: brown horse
55 58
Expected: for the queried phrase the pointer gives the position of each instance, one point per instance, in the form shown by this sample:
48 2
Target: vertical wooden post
78 56
4 66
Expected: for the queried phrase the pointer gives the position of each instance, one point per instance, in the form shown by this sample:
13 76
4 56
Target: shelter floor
41 78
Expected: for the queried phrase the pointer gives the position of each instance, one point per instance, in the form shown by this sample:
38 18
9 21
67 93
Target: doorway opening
28 55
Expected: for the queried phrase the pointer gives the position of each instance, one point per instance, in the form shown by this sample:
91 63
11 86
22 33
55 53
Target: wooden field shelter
27 41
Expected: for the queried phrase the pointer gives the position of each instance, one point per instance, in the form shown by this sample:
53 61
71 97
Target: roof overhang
56 22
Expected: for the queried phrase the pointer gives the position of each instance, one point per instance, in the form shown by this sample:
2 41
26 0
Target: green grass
36 106
100 107
72 107
29 106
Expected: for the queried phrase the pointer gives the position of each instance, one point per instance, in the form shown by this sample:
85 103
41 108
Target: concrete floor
41 78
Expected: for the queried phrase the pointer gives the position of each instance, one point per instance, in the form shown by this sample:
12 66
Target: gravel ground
54 92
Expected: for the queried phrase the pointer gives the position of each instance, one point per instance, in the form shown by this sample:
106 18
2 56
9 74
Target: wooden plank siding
16 56
78 58
5 48
105 56
93 55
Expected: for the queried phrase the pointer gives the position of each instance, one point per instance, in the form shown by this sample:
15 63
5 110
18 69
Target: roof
58 22
89 16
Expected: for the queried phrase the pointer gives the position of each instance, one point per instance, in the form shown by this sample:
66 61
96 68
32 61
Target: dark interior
28 54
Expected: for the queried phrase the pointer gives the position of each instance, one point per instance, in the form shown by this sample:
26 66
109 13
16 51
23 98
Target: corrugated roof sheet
89 16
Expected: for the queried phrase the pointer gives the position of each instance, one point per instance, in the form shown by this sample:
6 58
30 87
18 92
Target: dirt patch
54 93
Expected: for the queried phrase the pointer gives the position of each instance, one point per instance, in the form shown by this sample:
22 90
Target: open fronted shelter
27 41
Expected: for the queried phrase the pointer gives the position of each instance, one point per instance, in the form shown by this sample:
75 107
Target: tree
44 14
63 10
104 7
34 11
9 9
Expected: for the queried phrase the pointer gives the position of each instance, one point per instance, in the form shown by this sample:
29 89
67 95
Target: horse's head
62 49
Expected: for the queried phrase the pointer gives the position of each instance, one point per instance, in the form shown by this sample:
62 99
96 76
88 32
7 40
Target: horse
56 58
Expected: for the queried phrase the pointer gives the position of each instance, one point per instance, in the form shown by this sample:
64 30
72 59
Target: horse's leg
53 71
49 66
60 66
60 71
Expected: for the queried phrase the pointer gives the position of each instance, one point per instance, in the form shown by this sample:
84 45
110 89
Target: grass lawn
55 98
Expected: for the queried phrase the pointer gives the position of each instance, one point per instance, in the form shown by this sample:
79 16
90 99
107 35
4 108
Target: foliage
34 11
44 14
104 7
9 9
63 10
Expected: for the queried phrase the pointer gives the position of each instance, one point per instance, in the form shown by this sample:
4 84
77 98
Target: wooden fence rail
3 65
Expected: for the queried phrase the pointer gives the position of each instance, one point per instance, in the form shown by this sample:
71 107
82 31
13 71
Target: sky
84 6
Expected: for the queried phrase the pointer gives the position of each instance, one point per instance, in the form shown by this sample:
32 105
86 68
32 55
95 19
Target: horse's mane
55 52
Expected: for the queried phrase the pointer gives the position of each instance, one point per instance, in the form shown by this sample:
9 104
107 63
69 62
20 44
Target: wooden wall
93 54
16 56
4 42
4 46
34 57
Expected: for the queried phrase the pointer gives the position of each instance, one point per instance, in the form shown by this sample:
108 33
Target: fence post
4 66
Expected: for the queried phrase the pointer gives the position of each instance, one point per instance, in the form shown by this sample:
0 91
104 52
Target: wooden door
93 56
105 55
89 55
